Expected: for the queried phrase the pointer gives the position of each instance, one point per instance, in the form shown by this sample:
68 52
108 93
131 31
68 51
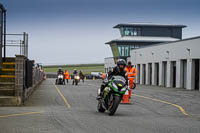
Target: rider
60 71
75 73
81 75
117 71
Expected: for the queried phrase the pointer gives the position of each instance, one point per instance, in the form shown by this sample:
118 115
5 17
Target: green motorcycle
112 95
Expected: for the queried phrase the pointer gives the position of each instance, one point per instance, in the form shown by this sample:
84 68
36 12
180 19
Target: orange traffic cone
126 98
131 86
130 92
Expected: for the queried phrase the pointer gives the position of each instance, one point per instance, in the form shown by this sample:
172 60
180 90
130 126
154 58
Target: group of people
67 75
80 74
122 69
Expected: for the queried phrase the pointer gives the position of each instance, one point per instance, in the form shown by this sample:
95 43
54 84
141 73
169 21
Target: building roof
2 7
143 39
148 25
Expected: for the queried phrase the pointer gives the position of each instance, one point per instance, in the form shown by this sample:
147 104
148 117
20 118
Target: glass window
139 31
126 51
122 53
130 31
126 31
132 46
136 46
120 50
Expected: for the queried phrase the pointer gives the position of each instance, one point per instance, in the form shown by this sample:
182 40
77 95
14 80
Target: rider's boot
99 96
100 92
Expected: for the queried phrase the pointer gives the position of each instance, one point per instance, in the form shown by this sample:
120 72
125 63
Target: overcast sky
75 31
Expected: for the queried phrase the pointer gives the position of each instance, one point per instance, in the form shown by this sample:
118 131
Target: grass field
85 68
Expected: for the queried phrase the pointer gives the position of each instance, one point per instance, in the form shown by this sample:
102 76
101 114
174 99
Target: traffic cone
131 86
126 98
130 92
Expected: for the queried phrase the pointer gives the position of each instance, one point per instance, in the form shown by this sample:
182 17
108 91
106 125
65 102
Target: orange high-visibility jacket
131 71
66 75
103 76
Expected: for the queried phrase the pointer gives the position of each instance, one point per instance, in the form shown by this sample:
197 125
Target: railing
2 30
16 44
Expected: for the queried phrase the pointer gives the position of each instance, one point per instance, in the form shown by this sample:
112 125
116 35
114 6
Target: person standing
131 71
103 76
81 75
67 77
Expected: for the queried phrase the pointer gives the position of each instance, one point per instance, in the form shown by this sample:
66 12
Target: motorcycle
60 79
76 80
112 95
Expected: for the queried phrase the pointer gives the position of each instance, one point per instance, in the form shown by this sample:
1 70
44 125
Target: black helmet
121 62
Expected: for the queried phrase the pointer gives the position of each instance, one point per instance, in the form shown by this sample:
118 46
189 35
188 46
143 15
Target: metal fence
16 44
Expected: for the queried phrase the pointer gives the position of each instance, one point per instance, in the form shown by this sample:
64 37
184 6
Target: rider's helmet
75 70
121 63
59 69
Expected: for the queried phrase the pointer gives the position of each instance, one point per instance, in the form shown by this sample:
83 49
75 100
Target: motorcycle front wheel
114 105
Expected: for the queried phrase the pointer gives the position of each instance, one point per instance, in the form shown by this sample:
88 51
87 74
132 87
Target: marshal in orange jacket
67 75
132 72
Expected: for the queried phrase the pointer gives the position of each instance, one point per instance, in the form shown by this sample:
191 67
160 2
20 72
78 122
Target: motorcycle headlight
77 77
60 76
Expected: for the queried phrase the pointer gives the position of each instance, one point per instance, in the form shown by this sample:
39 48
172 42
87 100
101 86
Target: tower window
131 31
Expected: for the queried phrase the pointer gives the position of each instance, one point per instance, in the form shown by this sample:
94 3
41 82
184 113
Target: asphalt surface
73 110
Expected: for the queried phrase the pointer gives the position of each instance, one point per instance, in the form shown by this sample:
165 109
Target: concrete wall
171 51
37 78
21 92
180 59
